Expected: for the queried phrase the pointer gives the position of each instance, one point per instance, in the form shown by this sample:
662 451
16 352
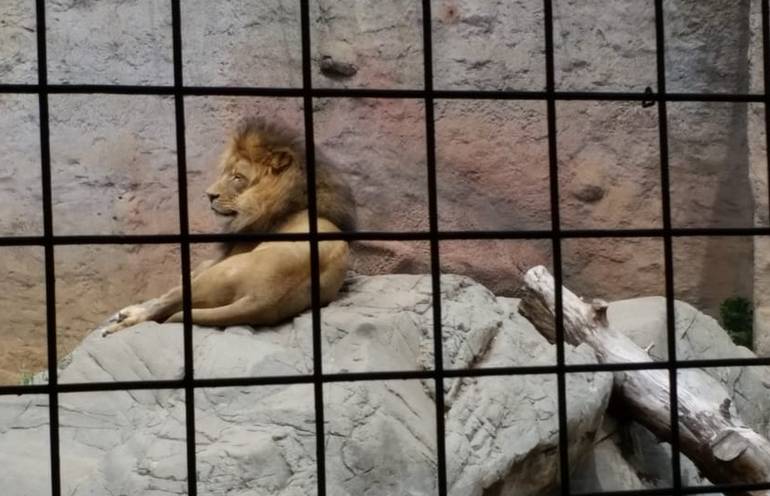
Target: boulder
380 436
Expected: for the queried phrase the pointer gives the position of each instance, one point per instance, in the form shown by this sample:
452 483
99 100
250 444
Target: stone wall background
114 157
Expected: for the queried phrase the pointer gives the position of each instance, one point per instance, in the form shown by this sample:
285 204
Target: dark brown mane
275 134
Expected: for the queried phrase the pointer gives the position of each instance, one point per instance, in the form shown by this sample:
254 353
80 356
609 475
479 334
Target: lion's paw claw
124 318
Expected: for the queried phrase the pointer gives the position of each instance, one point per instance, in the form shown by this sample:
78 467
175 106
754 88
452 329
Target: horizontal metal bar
380 376
118 239
667 491
380 93
662 491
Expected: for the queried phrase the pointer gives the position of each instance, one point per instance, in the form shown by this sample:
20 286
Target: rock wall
113 157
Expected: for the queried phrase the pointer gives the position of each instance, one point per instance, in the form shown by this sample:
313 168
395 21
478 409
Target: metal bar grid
184 238
315 283
50 277
175 239
184 231
79 387
660 44
553 173
435 264
647 96
765 23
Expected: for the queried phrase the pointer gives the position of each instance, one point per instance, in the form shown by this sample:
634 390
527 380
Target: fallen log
723 448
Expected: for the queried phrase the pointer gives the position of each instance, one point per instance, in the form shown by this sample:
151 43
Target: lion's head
262 181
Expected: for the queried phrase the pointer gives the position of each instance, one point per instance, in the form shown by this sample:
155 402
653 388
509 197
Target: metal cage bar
660 55
616 96
50 277
131 239
553 176
435 261
184 245
315 278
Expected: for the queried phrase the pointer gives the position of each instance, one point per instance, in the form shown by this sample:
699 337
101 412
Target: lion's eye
238 177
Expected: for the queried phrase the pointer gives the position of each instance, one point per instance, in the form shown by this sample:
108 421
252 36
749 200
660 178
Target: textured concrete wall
114 157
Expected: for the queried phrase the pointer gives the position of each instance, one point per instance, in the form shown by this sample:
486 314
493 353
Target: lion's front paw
127 317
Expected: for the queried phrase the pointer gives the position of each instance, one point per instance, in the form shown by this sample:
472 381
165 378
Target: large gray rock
607 467
380 435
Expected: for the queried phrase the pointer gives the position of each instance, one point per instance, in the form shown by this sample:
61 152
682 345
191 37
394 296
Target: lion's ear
281 159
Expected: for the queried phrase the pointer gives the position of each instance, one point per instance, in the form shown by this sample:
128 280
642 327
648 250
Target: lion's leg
158 309
279 288
155 309
235 313
149 310
269 284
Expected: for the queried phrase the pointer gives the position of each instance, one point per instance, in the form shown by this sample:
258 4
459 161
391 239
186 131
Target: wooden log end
729 445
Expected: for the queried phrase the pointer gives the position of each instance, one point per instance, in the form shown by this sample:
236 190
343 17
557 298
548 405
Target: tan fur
262 187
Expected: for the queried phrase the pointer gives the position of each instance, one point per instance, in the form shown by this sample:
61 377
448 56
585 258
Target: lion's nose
212 196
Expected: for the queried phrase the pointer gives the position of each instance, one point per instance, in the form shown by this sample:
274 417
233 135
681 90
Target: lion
261 188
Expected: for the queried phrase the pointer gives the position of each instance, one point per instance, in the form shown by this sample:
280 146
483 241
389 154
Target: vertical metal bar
50 276
766 96
660 49
184 231
315 283
553 164
765 12
435 261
